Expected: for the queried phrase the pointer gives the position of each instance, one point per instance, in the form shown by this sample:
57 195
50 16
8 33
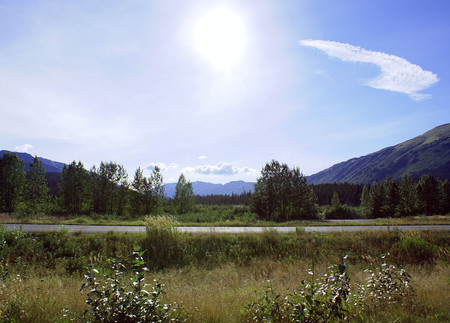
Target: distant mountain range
203 188
49 165
425 154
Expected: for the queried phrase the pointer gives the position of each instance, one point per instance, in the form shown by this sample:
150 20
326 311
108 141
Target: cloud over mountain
397 74
219 169
23 148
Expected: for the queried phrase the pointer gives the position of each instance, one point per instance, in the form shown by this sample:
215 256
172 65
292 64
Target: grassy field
218 216
216 277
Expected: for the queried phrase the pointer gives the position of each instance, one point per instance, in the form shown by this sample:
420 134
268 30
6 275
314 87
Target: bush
415 249
113 298
329 298
341 212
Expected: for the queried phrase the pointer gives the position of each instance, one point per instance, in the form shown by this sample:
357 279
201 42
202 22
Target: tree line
429 195
101 190
280 193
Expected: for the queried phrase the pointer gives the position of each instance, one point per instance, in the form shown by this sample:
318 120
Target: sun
220 38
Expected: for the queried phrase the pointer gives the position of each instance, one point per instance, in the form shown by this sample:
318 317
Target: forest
281 194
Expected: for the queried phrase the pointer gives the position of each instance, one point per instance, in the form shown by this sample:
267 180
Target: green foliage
37 196
75 190
329 298
163 242
12 182
148 196
283 194
109 188
115 297
415 249
428 193
184 199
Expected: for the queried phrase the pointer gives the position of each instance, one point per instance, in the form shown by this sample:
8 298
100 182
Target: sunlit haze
215 89
220 37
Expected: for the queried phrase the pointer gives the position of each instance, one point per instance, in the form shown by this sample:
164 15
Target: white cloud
202 157
397 74
220 169
161 166
23 149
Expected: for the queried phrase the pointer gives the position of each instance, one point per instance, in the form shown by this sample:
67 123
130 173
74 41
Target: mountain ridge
428 153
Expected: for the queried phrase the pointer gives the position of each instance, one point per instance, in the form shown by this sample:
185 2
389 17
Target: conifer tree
377 200
12 182
408 202
37 196
392 198
365 202
428 194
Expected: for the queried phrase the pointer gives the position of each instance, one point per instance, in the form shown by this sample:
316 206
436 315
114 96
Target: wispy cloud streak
397 74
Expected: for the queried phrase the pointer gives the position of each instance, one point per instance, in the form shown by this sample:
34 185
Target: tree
12 182
106 183
138 186
365 202
184 199
408 201
283 194
74 189
445 191
157 189
37 196
428 194
148 193
376 200
392 198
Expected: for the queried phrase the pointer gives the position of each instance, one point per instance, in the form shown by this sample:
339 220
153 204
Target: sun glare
220 38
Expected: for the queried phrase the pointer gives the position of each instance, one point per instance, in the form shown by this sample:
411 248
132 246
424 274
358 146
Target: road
232 230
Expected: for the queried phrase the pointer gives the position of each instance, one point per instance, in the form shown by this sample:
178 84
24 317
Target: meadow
228 278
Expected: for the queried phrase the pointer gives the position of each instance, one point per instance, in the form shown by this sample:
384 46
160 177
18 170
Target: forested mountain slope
49 165
425 154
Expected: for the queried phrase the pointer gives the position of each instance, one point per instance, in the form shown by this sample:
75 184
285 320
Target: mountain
203 188
425 154
49 165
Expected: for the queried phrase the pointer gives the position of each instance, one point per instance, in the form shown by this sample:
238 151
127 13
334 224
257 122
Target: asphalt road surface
232 230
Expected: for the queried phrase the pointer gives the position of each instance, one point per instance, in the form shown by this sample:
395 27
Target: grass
219 216
221 294
214 276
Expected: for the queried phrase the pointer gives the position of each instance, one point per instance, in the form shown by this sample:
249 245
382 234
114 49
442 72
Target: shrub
113 298
329 298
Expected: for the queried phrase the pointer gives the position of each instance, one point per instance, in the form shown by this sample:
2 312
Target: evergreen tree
74 190
365 202
12 182
376 200
184 199
37 196
445 199
428 194
408 202
392 198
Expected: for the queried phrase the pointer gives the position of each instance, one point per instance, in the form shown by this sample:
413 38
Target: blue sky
215 89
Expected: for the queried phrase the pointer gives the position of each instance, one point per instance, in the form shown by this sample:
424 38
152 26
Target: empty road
232 230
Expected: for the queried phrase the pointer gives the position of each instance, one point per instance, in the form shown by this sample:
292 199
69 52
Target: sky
216 89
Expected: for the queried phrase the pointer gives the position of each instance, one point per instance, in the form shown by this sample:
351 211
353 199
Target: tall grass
214 276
